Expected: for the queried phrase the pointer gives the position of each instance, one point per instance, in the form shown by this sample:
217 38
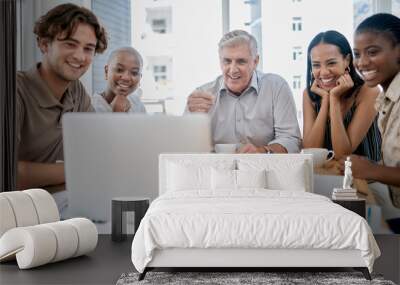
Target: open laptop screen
111 155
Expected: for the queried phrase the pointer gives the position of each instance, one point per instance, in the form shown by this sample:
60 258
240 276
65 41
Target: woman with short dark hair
377 58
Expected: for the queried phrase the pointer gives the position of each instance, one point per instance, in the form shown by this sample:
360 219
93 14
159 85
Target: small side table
357 206
138 205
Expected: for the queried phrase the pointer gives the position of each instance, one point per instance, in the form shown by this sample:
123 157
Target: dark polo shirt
39 113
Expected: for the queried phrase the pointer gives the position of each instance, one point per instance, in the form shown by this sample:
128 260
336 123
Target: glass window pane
179 47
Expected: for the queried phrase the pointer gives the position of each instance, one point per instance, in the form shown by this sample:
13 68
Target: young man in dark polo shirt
68 36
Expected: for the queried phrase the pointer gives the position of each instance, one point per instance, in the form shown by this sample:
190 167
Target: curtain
7 95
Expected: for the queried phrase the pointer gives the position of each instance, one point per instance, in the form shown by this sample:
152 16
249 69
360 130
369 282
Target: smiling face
123 73
377 58
328 64
237 65
68 59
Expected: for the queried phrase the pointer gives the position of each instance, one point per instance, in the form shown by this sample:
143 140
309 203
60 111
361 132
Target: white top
102 106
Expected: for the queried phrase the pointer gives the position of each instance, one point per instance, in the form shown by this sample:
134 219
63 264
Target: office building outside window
296 24
296 84
160 67
159 26
160 72
297 53
160 19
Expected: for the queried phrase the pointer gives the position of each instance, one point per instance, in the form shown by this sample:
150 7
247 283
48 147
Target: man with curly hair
68 36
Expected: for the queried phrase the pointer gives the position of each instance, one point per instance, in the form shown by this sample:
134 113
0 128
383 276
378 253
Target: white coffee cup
225 148
320 155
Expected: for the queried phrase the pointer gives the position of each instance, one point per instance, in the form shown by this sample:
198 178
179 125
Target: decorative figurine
348 174
347 192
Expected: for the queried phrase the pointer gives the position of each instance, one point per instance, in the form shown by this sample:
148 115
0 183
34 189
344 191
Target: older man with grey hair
246 106
123 73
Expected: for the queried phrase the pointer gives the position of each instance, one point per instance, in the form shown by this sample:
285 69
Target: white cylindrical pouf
87 235
67 239
40 247
45 205
40 244
24 210
7 217
34 246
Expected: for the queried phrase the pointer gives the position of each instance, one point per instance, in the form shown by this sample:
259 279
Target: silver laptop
113 155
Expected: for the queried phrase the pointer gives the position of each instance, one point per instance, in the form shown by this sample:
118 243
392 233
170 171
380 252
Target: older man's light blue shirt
263 114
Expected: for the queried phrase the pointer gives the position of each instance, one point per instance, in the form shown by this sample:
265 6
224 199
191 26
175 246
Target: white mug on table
320 155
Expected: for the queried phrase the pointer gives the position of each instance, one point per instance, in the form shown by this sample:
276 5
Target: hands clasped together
343 84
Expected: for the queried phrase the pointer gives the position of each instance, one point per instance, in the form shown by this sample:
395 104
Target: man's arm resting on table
35 174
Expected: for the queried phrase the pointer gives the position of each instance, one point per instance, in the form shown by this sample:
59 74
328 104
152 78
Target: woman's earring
348 69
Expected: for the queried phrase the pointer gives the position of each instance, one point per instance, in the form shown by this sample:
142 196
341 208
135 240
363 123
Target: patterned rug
243 278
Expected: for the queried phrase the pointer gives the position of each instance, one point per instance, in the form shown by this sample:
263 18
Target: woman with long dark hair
338 107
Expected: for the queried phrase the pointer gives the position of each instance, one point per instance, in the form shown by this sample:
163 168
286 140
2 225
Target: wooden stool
120 205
